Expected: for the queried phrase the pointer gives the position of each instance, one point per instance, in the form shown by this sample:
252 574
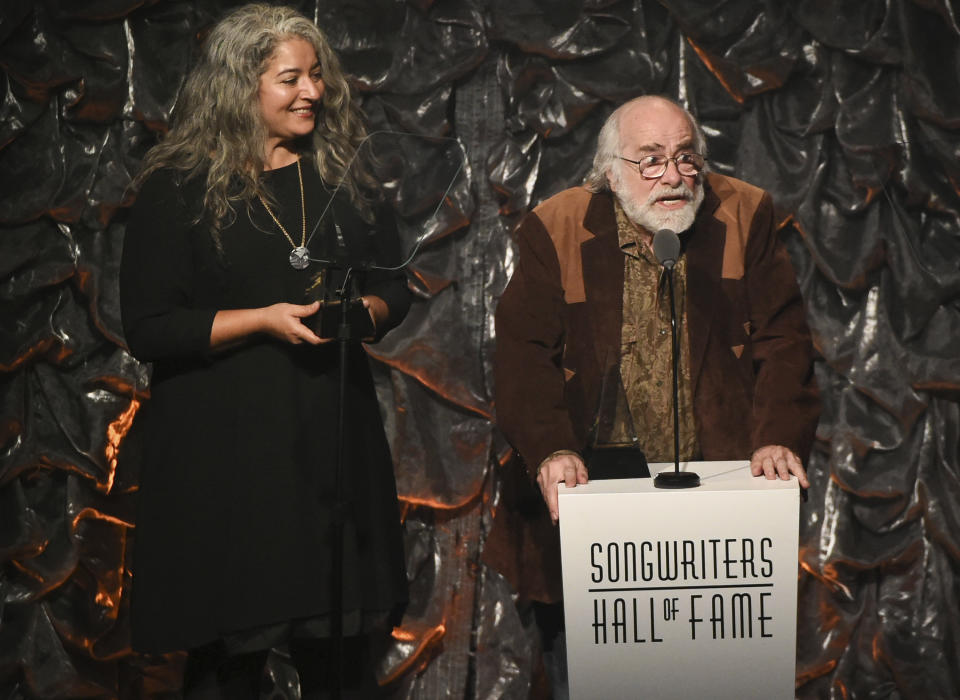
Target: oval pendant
299 258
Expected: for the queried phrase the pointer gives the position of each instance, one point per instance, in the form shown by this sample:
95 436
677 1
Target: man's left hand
776 460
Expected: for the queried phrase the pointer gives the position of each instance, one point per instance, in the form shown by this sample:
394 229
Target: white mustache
681 191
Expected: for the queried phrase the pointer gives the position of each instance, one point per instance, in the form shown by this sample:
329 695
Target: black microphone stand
339 509
675 479
344 336
346 291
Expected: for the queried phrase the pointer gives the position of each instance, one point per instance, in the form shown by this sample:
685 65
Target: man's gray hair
608 142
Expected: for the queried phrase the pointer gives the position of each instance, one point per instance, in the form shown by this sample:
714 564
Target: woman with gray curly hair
255 184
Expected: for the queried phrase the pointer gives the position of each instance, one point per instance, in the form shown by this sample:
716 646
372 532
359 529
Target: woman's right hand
284 321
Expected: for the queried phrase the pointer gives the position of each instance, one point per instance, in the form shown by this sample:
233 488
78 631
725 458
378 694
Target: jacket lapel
703 246
602 262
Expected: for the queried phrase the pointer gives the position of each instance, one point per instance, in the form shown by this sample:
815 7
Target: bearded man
586 293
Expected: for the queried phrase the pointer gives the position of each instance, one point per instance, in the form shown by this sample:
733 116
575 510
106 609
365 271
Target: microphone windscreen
666 246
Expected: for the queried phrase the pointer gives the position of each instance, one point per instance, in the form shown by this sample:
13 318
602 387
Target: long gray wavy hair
217 125
607 156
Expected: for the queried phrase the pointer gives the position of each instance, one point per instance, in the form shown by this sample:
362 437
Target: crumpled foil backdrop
848 112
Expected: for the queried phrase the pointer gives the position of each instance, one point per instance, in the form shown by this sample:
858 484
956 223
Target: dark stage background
848 111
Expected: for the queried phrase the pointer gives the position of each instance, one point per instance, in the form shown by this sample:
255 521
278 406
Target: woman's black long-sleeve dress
234 511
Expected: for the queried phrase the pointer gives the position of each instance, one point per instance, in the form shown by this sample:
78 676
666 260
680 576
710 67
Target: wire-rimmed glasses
652 167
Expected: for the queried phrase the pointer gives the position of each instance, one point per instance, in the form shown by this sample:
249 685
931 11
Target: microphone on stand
666 248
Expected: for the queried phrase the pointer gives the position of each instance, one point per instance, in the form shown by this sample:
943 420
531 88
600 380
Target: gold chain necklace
299 256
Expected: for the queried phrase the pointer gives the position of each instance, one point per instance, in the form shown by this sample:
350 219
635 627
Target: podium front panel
681 593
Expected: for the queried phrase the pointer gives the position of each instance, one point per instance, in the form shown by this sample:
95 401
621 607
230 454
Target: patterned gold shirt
645 363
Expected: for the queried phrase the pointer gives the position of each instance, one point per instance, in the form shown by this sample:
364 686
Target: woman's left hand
377 308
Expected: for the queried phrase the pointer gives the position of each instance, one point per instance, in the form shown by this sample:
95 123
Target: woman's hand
377 308
282 321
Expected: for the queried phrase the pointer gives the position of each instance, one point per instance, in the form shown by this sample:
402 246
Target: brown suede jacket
558 325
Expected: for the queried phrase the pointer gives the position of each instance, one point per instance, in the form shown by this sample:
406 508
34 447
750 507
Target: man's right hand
565 466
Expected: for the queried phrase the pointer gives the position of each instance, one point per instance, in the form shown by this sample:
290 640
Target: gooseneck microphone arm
666 248
675 360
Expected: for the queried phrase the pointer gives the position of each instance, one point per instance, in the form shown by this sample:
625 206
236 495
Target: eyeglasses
652 167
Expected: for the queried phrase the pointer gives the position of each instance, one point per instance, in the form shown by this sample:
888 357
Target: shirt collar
629 235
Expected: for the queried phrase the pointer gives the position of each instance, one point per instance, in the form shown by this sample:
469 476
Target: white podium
681 593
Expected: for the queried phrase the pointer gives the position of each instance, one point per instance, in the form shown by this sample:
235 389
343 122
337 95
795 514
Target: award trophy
614 450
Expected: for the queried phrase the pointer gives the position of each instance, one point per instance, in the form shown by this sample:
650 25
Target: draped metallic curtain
848 111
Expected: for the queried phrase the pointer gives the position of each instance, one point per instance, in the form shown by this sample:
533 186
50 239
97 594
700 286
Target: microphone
666 247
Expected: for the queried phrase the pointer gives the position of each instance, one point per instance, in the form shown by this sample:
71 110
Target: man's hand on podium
562 465
776 460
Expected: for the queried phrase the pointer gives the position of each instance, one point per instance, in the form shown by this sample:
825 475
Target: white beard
646 214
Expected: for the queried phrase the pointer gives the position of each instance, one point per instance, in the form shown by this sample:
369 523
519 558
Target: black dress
234 510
